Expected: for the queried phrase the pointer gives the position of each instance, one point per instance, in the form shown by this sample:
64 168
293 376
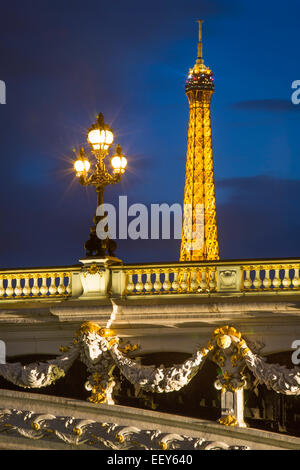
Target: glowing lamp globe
100 139
100 136
81 166
119 163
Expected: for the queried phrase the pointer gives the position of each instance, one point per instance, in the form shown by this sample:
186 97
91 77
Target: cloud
270 105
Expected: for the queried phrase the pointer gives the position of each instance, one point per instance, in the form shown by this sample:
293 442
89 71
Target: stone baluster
167 284
26 288
69 286
296 280
2 290
203 283
247 280
276 281
18 288
175 284
193 282
61 289
35 288
257 280
139 285
212 280
44 288
286 281
129 284
9 291
183 280
148 284
157 284
267 281
53 288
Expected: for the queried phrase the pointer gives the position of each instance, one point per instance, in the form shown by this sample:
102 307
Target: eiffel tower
199 237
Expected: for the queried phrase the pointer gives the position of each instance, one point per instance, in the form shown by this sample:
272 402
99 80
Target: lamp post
100 137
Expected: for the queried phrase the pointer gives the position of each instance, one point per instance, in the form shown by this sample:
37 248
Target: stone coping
146 419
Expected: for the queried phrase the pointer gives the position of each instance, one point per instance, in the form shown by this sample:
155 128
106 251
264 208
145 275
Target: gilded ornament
93 269
88 327
228 420
223 341
235 359
77 431
97 398
244 351
218 358
35 426
163 445
129 348
97 377
106 332
112 342
120 438
227 375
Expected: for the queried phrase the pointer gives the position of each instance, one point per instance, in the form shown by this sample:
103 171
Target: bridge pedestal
232 408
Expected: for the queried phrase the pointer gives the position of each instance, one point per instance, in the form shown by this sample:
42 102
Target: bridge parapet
36 283
100 280
203 278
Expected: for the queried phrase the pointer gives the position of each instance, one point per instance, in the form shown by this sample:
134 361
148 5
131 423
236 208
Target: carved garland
100 350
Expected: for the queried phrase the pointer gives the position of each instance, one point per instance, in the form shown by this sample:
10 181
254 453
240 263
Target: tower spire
200 51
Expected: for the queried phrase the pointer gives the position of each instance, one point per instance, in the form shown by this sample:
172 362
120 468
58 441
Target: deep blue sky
65 61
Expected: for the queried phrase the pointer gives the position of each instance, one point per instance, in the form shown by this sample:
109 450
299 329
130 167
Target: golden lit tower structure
199 237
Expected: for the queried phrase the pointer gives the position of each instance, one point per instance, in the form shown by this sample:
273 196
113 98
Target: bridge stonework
162 308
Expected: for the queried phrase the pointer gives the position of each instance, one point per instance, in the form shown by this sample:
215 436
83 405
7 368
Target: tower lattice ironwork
199 237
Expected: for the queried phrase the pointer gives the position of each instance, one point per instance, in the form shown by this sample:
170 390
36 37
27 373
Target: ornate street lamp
100 137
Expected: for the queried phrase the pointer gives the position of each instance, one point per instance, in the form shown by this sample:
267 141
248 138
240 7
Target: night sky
65 61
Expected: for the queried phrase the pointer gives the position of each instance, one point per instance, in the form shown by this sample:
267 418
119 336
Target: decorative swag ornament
100 350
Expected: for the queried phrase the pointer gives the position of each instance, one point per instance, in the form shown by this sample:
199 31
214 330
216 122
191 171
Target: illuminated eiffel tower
199 237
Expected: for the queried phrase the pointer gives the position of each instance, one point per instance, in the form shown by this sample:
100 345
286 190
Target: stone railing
162 279
271 276
36 283
97 279
209 278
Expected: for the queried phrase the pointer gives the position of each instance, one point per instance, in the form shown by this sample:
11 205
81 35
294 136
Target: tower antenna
200 52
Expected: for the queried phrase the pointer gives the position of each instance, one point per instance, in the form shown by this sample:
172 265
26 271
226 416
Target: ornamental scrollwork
99 435
93 269
101 350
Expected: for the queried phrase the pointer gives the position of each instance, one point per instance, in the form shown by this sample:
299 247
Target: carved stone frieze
99 435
